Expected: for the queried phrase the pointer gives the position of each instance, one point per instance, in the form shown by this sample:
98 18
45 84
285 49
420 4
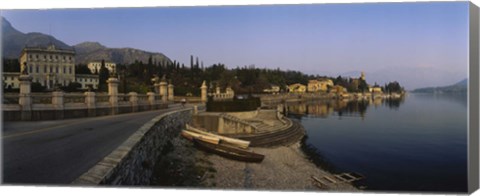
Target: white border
45 4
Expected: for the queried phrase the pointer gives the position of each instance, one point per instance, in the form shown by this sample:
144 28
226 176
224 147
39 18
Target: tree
37 87
103 77
393 87
11 65
82 69
72 87
363 86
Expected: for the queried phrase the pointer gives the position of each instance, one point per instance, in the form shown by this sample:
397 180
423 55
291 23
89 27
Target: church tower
362 76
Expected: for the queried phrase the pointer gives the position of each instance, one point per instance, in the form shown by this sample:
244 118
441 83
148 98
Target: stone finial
25 69
164 78
155 79
113 74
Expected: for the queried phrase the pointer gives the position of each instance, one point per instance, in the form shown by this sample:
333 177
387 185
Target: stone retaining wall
132 163
53 114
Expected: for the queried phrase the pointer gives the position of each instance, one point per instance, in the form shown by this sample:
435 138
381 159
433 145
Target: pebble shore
285 168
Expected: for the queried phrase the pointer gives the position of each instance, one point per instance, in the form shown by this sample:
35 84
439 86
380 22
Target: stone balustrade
59 105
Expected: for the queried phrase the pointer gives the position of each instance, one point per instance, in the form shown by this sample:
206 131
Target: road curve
57 152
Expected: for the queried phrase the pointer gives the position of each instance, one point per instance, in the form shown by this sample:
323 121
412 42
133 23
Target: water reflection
339 107
417 143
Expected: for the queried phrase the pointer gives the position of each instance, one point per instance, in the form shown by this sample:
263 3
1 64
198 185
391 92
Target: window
44 68
36 69
70 70
30 69
64 70
56 69
51 69
30 56
69 58
36 56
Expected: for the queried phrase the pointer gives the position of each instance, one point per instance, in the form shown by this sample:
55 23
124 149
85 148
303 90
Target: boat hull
229 151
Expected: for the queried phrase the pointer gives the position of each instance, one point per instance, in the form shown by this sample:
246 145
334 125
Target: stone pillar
113 93
57 101
133 101
163 91
170 92
217 90
195 109
25 99
90 102
151 100
157 88
203 89
221 124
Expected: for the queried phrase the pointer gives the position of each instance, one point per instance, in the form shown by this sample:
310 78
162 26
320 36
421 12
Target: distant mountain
94 51
459 87
14 41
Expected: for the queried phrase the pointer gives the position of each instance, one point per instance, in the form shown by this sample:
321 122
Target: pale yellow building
87 80
273 89
10 79
337 89
95 66
375 89
49 66
320 85
297 88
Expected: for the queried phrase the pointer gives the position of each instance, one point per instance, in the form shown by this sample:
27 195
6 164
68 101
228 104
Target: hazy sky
417 44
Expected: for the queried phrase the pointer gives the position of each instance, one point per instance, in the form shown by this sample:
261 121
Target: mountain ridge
14 41
459 87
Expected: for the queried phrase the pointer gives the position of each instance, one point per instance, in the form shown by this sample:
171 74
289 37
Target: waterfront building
320 85
87 80
375 89
297 88
49 66
337 89
96 65
274 89
10 80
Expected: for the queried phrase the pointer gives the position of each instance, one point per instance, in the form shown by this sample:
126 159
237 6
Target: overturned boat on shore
231 148
227 151
231 141
205 138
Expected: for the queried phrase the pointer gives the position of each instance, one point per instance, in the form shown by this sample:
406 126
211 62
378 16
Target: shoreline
286 167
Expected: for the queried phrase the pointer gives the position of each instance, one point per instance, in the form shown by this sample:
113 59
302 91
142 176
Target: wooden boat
230 152
191 136
232 141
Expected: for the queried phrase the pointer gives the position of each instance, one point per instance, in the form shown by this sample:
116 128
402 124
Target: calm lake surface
415 144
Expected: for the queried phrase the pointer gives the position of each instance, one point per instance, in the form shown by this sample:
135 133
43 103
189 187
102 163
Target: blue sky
417 44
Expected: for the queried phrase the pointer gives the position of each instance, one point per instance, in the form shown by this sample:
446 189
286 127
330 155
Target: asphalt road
57 152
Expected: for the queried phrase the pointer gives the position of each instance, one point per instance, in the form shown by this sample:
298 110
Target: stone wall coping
104 168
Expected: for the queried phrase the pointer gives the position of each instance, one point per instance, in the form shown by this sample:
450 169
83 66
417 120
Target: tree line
137 77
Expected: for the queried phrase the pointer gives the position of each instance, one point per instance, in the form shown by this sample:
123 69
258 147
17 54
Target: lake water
416 144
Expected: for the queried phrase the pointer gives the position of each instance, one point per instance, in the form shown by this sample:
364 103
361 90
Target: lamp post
122 76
